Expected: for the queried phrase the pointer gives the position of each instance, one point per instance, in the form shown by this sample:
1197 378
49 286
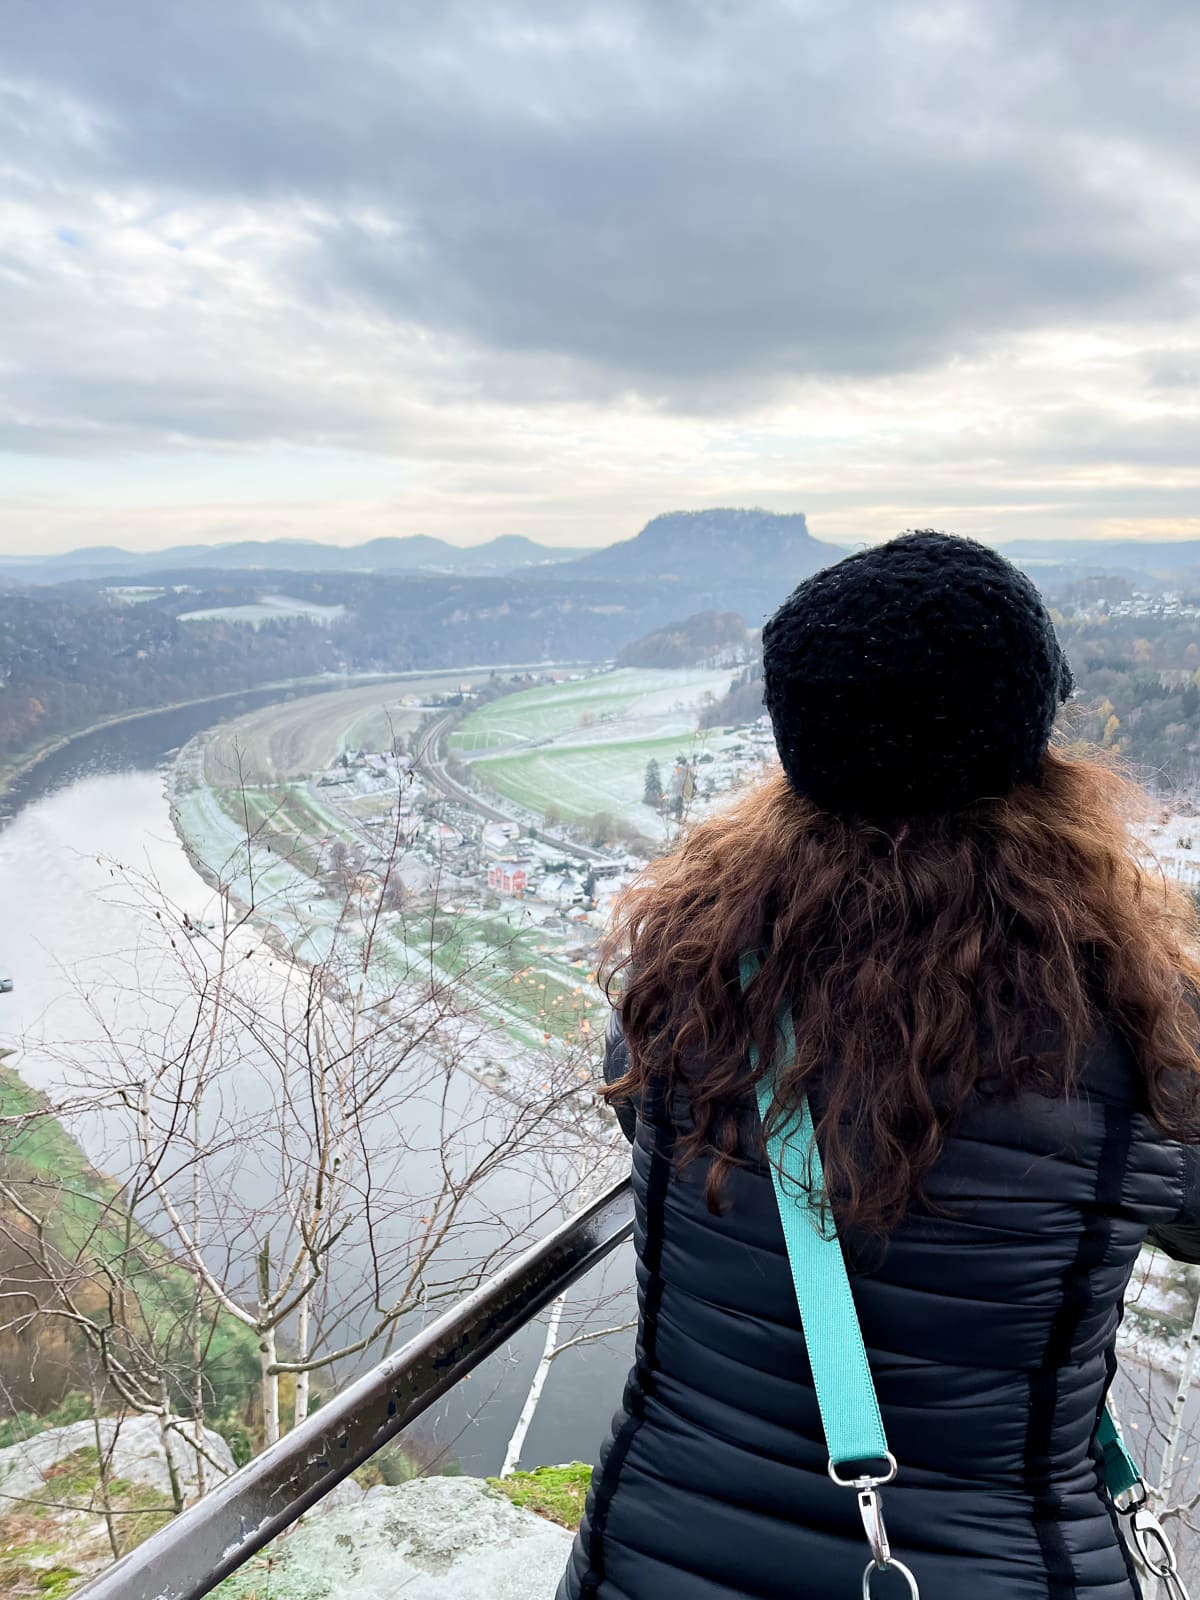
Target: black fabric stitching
642 1382
1076 1300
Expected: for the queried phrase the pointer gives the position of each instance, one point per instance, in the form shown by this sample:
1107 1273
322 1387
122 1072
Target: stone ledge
432 1539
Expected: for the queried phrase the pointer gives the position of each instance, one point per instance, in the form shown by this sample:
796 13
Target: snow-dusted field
613 705
270 608
1175 843
302 736
583 779
584 746
134 593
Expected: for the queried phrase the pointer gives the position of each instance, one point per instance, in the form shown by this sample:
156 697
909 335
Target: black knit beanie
912 679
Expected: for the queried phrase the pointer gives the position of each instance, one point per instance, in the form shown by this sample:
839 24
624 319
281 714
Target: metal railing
212 1538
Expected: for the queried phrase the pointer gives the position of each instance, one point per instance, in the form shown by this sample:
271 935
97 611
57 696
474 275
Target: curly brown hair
991 943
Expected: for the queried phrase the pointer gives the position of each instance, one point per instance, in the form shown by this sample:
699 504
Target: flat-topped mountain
715 545
720 560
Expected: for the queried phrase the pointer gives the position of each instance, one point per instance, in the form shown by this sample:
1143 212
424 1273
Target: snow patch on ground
1174 840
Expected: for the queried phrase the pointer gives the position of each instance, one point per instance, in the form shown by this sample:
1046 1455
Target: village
476 856
487 827
1120 599
395 809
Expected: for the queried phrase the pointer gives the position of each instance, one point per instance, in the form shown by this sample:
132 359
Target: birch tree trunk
270 1387
266 1350
165 1434
516 1444
104 1473
197 1317
303 1377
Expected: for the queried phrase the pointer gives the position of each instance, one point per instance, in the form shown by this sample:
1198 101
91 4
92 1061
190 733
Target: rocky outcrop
432 1539
53 1532
133 1448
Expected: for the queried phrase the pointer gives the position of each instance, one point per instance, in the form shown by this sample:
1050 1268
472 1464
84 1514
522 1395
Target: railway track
438 778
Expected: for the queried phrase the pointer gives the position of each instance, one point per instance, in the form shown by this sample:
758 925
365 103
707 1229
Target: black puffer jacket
990 1335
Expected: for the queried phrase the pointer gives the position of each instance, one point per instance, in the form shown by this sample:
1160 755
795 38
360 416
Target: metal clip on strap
871 1512
1156 1552
895 1566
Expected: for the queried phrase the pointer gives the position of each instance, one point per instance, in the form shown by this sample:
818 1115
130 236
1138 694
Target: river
69 925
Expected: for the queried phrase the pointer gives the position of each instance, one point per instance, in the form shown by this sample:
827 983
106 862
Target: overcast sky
343 268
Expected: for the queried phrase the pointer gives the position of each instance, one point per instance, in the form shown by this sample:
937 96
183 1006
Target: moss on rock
557 1493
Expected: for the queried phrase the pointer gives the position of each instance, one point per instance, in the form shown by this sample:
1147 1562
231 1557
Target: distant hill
710 638
415 553
723 560
1054 563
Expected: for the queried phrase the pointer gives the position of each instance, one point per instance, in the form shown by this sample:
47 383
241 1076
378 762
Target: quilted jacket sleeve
616 1064
1180 1237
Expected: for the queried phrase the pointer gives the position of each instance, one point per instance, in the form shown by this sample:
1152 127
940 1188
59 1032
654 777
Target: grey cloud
57 411
695 201
1179 371
851 271
1087 439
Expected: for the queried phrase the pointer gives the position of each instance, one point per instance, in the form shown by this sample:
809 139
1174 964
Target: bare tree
304 1131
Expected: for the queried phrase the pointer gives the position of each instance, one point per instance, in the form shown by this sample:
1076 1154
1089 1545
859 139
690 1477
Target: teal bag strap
841 1374
842 1378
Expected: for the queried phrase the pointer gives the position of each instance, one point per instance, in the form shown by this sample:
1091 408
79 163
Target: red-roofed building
506 878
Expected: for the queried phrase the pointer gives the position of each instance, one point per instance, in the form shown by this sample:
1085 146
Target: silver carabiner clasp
870 1509
1156 1551
871 1512
892 1566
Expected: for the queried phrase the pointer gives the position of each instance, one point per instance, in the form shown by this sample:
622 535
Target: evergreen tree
652 794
